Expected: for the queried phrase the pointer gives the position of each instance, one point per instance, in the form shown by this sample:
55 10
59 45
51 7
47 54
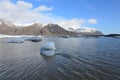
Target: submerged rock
48 49
66 36
34 39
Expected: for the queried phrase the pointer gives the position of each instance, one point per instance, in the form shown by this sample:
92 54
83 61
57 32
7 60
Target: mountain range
36 28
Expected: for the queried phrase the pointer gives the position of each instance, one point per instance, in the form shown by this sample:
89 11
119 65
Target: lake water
84 58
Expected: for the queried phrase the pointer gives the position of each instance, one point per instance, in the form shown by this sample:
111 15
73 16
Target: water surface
76 59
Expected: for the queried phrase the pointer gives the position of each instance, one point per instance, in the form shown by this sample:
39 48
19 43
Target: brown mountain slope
29 30
6 28
55 30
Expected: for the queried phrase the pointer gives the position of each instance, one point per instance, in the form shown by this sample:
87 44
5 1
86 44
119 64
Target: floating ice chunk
48 52
48 46
14 40
48 49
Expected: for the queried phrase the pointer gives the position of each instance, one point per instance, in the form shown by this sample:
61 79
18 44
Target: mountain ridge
37 28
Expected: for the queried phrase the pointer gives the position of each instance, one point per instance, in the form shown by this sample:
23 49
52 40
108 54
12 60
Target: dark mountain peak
51 25
55 30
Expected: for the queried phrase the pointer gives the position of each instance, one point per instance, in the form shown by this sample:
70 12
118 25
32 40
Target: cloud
43 8
74 23
92 21
24 12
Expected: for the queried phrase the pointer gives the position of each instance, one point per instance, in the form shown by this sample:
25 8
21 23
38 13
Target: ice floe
14 40
48 49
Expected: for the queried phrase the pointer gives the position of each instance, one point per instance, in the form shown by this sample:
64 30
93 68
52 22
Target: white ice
14 40
48 49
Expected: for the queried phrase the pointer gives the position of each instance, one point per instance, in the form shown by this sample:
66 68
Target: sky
104 15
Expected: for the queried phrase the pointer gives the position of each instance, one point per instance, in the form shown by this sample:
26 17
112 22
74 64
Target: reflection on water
76 59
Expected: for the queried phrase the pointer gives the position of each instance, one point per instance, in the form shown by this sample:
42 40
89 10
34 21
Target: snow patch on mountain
3 21
82 29
27 23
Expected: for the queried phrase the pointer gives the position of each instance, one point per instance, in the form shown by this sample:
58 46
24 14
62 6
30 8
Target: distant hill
111 35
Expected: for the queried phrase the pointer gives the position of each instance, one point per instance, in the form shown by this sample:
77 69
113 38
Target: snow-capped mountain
85 31
11 28
28 23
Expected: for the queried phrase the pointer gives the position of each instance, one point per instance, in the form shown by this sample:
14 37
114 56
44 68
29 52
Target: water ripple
84 59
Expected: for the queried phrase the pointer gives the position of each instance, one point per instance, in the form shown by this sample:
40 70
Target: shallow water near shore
83 58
